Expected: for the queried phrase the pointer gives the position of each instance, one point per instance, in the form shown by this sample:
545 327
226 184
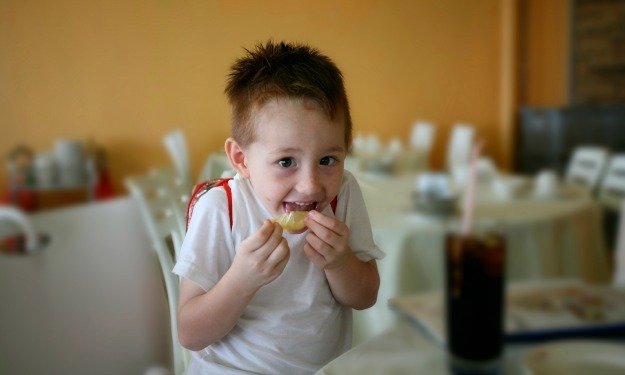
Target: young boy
255 298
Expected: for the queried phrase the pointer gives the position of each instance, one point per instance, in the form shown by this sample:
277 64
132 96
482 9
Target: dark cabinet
547 136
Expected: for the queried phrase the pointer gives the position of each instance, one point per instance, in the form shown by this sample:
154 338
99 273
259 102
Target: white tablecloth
547 238
416 346
403 350
399 350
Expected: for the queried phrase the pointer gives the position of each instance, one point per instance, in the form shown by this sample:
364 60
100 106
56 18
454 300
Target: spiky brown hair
284 70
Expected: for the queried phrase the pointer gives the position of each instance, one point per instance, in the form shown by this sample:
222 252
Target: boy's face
296 160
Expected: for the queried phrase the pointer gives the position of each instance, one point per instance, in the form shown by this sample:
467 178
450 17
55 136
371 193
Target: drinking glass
474 294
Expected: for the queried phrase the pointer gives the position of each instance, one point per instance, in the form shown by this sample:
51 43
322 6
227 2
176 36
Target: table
416 345
402 349
548 238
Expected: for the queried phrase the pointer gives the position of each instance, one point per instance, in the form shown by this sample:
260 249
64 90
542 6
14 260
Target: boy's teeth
296 206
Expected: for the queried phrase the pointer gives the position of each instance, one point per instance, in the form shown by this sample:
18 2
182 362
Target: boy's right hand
260 258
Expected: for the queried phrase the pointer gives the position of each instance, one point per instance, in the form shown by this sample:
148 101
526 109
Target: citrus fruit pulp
292 221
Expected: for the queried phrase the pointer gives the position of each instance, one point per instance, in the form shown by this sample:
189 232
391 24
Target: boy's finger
315 217
280 252
320 246
272 242
261 236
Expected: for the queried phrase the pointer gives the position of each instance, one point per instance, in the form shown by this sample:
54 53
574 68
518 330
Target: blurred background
123 73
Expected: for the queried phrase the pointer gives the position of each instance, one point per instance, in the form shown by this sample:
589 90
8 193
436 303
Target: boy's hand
260 258
327 241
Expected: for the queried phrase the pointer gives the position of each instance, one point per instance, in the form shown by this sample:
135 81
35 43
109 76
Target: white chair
611 195
459 146
176 145
619 252
178 188
586 166
165 226
612 187
422 139
422 136
216 165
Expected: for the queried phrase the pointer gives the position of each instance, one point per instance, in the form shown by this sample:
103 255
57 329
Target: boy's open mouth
299 206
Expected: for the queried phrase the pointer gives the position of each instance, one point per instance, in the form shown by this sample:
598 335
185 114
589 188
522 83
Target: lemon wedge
292 222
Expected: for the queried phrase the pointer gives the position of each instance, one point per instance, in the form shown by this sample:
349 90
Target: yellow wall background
124 73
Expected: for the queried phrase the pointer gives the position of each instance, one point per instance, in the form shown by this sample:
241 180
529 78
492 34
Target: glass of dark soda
474 294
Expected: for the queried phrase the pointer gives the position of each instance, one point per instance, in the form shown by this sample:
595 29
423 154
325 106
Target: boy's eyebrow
336 149
286 150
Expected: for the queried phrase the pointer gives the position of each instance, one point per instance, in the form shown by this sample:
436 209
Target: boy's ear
235 154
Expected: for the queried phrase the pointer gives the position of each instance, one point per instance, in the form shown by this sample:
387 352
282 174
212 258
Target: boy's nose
309 182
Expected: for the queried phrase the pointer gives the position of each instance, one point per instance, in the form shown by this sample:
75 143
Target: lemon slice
292 222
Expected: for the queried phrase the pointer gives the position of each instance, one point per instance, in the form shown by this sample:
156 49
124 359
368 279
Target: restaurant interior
507 114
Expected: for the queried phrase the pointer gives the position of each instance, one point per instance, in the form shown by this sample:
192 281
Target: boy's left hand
327 241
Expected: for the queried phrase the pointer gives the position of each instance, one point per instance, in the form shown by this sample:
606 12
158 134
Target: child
255 298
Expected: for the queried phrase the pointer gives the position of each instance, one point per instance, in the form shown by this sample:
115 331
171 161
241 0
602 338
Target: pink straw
469 202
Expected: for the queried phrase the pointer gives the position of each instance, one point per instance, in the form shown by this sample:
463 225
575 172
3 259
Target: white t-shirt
293 325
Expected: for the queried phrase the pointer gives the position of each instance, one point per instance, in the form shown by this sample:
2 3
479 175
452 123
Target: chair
619 253
611 195
176 145
422 136
612 188
165 226
459 146
586 166
421 139
217 165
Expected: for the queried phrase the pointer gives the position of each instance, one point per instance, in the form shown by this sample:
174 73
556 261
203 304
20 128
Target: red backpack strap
333 204
201 188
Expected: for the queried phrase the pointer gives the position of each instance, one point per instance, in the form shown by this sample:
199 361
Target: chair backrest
586 166
612 188
459 146
216 166
176 144
161 216
422 136
619 251
178 188
421 141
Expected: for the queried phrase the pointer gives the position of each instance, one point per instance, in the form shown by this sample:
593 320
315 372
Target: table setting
371 156
496 281
552 230
535 311
402 349
581 331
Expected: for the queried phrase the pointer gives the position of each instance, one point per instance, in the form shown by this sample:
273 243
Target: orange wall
124 73
546 39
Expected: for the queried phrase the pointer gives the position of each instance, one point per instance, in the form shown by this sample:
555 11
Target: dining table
546 237
553 326
404 349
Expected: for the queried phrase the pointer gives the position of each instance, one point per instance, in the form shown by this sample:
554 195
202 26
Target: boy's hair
284 70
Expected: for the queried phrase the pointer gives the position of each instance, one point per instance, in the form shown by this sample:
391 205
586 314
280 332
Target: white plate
573 357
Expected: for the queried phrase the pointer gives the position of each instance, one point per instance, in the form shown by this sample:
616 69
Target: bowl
509 187
380 165
435 204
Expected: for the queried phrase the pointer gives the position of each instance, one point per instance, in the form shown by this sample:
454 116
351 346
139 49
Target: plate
535 311
573 357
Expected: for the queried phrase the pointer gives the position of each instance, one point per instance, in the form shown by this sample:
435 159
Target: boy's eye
286 162
327 160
